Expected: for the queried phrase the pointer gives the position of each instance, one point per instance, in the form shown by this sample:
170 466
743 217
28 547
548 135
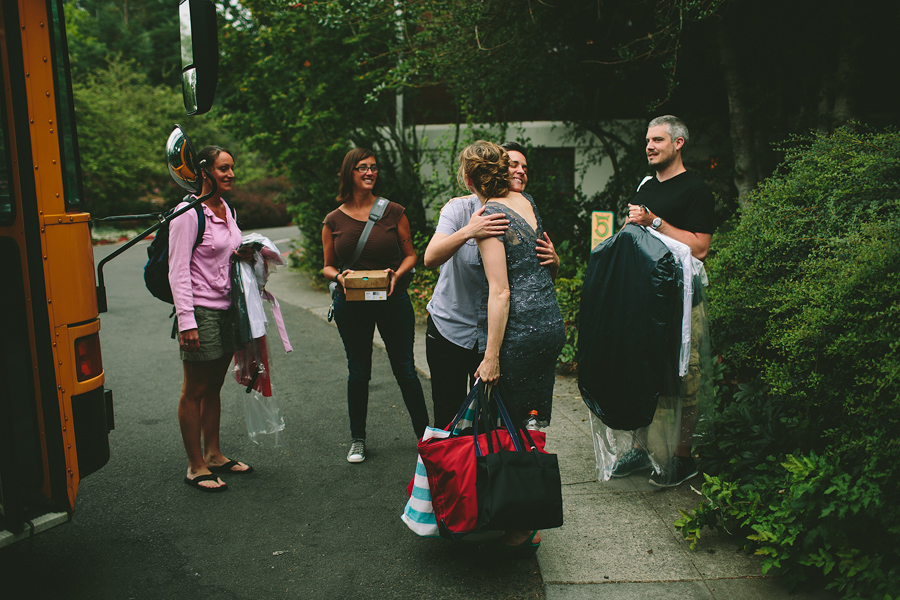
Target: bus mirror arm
101 287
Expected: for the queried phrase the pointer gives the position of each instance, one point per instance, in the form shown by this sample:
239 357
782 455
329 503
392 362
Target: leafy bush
422 285
568 295
805 302
259 203
810 520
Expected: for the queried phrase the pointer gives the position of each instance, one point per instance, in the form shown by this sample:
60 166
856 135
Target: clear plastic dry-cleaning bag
265 423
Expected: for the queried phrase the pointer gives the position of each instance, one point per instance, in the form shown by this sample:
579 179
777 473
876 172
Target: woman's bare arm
493 256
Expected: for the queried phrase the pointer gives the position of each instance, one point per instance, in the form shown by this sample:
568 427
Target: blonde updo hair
487 165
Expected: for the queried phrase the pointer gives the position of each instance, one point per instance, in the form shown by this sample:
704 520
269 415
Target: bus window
6 198
65 110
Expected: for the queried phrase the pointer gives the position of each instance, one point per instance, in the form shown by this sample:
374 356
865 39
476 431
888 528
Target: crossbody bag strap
375 213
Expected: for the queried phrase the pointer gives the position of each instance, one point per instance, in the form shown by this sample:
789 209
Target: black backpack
156 271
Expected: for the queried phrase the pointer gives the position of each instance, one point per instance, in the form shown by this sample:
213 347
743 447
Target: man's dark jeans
452 374
396 322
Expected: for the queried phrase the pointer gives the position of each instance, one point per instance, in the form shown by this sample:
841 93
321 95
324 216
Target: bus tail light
88 363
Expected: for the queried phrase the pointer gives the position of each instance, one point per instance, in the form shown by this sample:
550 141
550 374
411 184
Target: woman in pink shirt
201 287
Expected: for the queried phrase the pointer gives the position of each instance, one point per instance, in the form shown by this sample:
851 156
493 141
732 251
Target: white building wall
591 173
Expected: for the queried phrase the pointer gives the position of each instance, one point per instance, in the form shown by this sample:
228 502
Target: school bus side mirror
199 54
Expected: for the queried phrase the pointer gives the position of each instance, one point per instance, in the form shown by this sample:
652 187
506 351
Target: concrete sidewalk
618 541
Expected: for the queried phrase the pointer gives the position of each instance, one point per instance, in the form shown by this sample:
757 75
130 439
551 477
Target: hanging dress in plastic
640 311
251 362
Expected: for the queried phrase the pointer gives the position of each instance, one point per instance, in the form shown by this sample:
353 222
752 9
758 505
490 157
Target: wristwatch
656 223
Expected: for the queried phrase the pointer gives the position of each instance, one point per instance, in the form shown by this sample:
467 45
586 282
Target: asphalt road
306 524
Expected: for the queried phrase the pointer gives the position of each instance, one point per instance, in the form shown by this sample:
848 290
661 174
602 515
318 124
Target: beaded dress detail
535 332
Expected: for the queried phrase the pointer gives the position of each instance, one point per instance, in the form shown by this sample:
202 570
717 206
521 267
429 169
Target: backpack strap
201 225
375 213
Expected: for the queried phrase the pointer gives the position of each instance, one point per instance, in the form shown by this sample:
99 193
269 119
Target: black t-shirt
684 201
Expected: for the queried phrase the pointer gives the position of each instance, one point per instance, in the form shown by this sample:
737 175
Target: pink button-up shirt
201 276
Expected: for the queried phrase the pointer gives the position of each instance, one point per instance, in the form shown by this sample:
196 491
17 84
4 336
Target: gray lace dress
535 333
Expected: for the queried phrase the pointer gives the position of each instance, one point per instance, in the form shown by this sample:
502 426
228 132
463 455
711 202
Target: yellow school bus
55 415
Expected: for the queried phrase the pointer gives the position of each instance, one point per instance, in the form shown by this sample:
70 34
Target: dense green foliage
806 294
141 32
125 59
123 123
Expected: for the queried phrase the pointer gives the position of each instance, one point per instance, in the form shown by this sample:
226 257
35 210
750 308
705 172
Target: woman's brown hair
487 166
345 189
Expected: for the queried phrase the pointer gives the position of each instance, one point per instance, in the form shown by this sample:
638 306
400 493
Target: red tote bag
452 472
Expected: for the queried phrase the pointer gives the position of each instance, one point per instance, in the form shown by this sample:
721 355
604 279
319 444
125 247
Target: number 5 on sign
601 226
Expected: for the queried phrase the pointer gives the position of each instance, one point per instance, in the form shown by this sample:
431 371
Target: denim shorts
216 331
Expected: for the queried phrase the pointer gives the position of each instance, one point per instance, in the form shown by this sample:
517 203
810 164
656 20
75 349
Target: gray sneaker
634 460
357 452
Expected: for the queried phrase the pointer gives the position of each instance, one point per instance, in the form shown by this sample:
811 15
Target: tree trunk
746 168
843 74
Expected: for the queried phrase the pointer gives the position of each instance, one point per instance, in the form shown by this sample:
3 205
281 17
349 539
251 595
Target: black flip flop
195 483
226 468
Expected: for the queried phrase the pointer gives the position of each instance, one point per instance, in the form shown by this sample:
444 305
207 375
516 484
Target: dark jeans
397 324
452 374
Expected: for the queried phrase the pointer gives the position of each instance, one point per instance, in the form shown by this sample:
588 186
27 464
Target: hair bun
486 165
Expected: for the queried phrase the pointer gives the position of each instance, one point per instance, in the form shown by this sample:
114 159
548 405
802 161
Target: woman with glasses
389 248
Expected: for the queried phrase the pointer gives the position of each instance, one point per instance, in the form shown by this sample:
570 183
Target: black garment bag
629 334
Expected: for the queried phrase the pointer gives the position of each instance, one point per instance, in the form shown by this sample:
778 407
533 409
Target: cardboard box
366 285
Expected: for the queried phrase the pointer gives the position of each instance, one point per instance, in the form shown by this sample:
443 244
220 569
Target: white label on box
378 295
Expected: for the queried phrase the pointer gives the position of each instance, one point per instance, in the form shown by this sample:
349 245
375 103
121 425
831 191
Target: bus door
55 415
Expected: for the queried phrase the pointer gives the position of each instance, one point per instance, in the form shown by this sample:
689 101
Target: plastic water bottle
531 423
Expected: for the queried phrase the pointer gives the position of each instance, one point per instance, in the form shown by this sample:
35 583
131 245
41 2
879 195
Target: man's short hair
514 147
675 127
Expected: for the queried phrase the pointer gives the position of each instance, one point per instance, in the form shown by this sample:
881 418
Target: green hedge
805 306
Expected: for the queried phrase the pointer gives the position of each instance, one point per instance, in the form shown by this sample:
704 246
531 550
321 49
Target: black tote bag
517 489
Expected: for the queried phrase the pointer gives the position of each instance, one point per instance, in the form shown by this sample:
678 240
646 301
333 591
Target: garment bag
629 335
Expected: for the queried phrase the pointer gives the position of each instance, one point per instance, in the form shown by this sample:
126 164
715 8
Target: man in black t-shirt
677 203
